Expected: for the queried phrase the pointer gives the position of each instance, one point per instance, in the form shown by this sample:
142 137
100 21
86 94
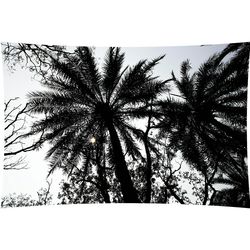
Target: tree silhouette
90 117
44 197
84 103
207 121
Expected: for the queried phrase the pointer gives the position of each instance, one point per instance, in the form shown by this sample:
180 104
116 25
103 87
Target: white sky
20 83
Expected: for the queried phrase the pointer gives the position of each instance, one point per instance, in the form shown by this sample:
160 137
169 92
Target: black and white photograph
162 125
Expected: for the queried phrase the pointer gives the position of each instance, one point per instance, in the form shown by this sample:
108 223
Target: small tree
44 197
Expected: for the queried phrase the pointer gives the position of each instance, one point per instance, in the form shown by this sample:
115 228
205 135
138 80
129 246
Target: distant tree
44 197
20 200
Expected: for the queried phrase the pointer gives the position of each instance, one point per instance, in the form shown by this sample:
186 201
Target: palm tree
84 105
207 120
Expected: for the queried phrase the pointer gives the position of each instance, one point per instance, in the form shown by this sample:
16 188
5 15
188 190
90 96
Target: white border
124 23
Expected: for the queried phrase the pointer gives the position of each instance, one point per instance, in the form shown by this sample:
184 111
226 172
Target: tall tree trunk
103 184
205 193
104 190
128 191
105 195
148 170
149 161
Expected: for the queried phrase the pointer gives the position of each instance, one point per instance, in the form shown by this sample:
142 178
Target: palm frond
111 70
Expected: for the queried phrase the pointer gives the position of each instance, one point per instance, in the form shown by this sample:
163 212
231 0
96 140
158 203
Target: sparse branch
167 179
171 190
37 58
45 196
15 131
31 147
18 164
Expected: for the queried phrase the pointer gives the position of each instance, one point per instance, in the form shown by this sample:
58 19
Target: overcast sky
20 83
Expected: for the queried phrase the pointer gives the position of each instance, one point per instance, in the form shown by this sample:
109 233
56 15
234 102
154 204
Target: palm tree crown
208 121
83 103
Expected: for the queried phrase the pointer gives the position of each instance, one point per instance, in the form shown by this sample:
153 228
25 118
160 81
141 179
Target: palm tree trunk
103 182
148 171
149 161
128 191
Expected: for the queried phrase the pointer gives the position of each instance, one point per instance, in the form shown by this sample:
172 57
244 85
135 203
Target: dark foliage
89 116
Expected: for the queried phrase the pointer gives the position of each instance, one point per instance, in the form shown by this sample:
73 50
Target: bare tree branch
37 58
15 134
